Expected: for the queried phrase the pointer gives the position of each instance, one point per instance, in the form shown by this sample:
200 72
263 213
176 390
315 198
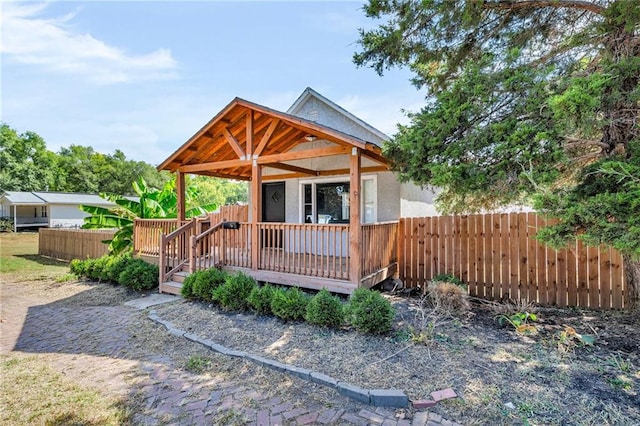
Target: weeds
569 339
520 321
198 364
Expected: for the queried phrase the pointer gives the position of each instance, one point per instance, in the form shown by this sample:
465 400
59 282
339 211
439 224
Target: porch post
355 228
15 218
180 197
256 212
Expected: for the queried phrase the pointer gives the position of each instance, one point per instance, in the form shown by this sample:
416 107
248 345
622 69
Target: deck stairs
175 285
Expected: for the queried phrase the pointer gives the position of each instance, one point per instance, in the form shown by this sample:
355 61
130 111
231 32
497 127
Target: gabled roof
242 131
42 198
72 198
309 93
18 197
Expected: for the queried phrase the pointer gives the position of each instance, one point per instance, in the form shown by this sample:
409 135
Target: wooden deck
304 270
313 256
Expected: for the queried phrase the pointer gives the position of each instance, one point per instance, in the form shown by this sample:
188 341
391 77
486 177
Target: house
307 167
47 209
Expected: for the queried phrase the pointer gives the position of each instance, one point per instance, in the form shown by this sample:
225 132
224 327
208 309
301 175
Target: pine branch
538 4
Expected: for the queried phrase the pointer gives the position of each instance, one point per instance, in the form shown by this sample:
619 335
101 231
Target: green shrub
78 267
95 268
325 310
289 304
116 265
260 299
139 275
200 284
233 294
369 312
6 224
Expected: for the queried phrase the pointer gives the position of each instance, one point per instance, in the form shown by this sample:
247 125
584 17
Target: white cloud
50 43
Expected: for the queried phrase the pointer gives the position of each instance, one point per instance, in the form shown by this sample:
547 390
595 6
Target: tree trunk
632 275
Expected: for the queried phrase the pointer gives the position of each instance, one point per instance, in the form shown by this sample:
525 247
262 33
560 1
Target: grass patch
19 259
33 393
198 364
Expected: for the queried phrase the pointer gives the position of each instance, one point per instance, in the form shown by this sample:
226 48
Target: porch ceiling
244 131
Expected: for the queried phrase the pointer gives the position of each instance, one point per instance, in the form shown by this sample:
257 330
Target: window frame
314 208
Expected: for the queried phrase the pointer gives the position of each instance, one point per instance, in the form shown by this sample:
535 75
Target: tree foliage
219 191
527 101
25 163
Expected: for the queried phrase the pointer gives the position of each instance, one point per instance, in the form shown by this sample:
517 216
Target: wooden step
171 287
180 276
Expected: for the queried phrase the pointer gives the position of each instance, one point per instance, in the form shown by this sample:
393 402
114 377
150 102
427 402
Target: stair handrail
181 254
194 246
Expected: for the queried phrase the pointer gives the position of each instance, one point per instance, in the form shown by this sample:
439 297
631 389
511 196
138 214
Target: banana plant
150 203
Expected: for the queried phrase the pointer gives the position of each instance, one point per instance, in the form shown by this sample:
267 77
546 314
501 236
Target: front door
273 210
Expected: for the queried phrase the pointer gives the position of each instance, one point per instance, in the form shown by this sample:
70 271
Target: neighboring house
308 169
47 209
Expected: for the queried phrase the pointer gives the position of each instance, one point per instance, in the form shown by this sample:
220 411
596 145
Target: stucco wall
319 112
416 202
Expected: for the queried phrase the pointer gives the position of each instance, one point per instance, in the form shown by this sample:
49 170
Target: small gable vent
312 115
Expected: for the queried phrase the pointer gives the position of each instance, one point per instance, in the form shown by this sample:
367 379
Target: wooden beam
267 136
249 130
355 228
301 155
180 193
335 172
376 157
225 175
284 176
231 140
292 168
283 140
256 213
214 165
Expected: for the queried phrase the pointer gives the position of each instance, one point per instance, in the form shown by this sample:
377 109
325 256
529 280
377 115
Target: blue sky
144 76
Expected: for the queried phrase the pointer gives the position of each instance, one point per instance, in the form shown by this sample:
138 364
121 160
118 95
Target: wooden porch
247 141
311 256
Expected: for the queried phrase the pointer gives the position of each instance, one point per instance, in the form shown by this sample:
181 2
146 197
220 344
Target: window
43 211
328 201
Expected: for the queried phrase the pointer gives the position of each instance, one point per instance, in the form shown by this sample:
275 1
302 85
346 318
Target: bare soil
499 375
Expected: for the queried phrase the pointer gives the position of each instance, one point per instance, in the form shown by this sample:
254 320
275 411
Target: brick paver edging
376 397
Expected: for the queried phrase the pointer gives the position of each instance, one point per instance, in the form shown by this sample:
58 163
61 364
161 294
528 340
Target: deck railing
379 247
147 232
305 249
174 250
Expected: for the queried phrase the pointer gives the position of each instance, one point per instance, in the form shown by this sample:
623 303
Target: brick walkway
117 350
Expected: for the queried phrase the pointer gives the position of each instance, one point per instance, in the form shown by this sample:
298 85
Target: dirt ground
500 376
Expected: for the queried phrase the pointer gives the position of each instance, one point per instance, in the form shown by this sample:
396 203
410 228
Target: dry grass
33 393
488 366
448 299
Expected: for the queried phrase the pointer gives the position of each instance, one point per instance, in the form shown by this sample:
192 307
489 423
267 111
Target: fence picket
499 258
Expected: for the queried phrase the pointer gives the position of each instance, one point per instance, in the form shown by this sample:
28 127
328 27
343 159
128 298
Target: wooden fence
499 258
231 213
71 244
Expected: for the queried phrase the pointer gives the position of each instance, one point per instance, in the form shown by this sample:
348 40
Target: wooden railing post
223 244
161 259
355 227
193 247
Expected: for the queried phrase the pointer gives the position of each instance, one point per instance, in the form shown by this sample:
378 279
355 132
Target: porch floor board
277 260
